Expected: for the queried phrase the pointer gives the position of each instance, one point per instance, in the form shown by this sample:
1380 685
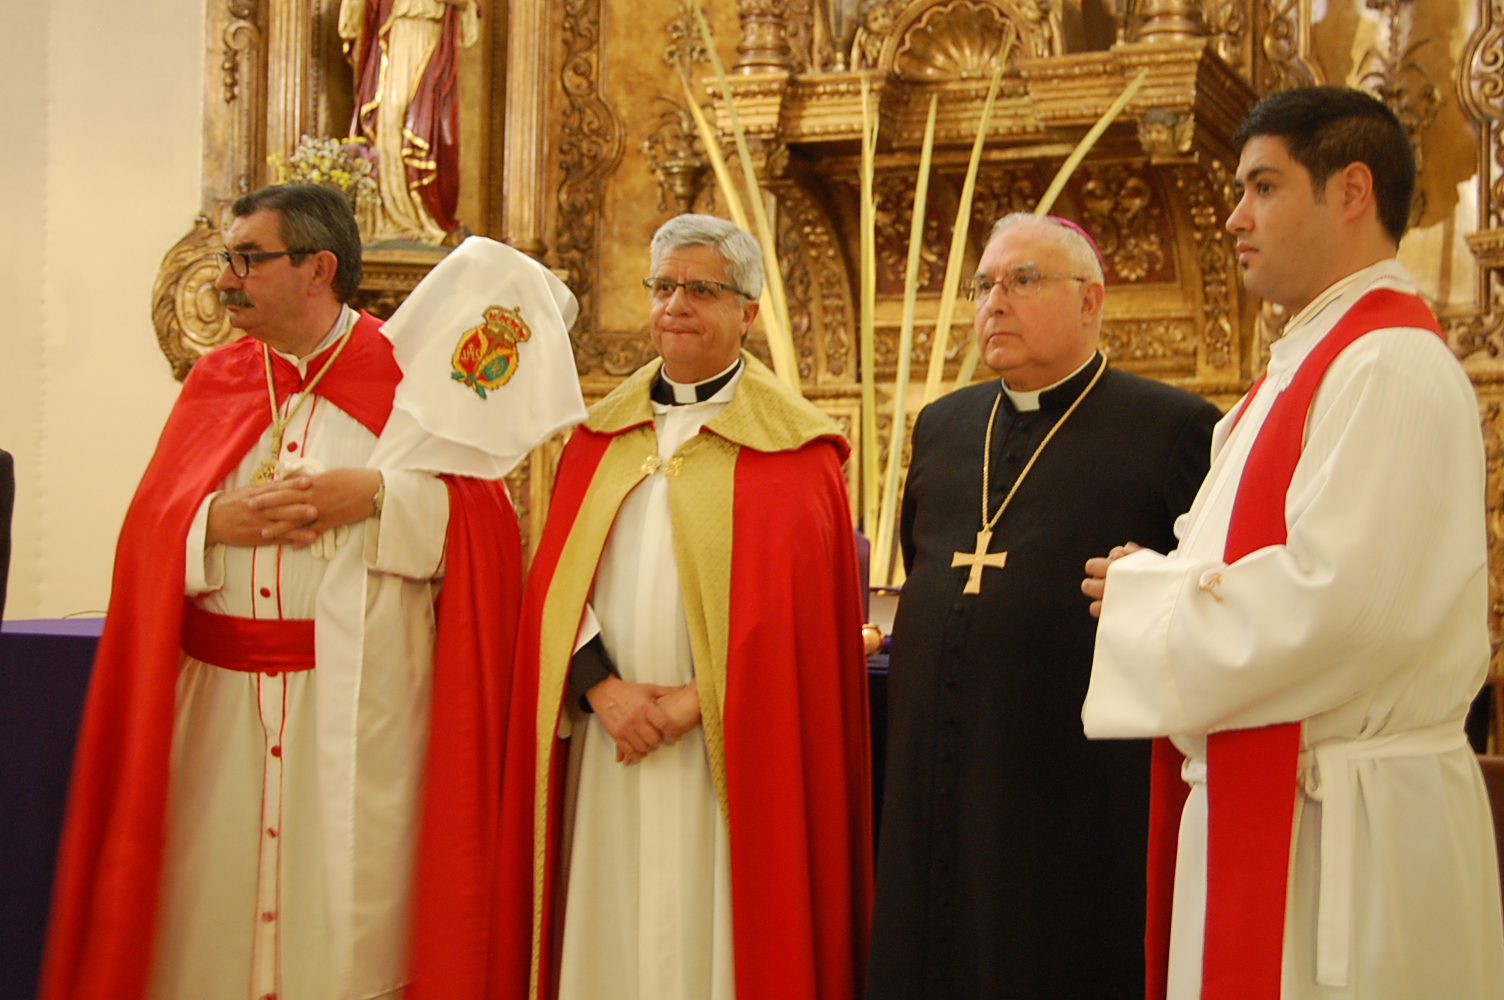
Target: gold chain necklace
266 472
981 559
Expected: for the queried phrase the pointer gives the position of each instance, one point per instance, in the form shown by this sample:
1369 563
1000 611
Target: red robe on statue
792 727
432 119
105 898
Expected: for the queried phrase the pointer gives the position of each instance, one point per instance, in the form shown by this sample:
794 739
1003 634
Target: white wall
101 120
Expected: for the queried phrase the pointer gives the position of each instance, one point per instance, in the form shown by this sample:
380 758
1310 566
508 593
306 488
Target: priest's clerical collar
1028 402
670 393
341 324
1331 293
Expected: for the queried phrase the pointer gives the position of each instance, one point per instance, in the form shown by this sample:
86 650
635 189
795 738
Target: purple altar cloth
44 671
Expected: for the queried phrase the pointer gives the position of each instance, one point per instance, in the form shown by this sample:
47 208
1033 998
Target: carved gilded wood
821 309
576 123
185 308
1479 337
1285 45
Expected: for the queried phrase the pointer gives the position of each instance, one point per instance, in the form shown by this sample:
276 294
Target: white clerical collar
342 322
686 393
1339 295
1028 402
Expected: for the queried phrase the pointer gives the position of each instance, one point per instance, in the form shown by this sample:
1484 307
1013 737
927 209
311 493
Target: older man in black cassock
1012 851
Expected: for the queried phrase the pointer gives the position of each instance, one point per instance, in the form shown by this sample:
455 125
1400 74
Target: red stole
1251 773
103 920
798 771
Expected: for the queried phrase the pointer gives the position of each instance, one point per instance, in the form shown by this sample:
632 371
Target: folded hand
623 708
262 515
678 711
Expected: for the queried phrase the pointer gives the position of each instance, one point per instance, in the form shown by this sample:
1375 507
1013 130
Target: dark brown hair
1326 128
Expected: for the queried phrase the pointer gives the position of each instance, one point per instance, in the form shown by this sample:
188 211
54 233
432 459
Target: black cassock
1012 849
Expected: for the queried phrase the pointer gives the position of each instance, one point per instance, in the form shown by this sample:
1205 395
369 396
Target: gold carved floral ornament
186 311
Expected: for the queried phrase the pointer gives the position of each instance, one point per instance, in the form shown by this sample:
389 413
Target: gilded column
234 154
524 166
764 43
1170 20
289 49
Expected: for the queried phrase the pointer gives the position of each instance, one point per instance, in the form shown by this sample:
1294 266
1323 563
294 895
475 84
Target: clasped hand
640 717
292 511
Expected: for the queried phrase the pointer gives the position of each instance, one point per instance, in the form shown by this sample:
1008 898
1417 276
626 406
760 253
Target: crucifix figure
978 561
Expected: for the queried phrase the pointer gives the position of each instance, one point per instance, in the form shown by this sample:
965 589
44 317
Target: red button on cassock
268 916
271 832
292 446
277 751
266 591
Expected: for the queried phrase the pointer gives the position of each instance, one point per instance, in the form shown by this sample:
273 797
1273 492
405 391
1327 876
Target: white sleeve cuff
1132 692
408 538
205 564
589 629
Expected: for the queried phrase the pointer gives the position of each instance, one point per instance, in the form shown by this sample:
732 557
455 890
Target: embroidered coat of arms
486 356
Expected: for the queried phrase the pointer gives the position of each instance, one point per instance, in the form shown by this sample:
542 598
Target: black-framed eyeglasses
699 291
240 263
1024 281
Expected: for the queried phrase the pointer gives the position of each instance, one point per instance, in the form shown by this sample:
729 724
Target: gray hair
737 247
1083 256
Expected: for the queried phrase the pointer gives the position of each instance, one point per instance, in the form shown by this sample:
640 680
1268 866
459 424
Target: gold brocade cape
768 575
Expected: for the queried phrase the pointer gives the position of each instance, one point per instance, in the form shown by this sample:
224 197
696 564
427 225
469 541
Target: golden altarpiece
575 143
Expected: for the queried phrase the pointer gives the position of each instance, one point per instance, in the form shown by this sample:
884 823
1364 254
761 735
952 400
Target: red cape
102 925
795 726
1252 773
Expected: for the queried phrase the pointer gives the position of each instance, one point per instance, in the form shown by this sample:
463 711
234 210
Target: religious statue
403 54
836 24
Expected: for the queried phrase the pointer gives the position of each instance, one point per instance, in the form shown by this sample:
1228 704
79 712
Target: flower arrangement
346 164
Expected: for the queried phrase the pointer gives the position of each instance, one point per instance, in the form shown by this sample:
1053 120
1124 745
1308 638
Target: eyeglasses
240 263
1023 281
663 289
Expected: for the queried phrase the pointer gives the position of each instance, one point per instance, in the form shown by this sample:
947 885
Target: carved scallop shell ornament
955 41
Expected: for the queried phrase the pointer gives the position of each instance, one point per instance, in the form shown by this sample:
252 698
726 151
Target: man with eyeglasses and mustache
1011 852
693 619
247 817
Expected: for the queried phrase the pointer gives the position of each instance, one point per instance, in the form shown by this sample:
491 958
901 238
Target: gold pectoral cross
978 561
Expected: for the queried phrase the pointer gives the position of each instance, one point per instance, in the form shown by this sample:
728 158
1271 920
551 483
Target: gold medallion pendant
486 356
265 473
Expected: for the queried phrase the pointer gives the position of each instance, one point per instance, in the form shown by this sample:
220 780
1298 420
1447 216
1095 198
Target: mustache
235 297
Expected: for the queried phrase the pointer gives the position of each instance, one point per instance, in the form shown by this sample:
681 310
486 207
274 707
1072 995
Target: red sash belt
264 645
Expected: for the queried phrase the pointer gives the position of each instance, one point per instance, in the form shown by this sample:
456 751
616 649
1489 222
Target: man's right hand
234 520
623 709
1095 584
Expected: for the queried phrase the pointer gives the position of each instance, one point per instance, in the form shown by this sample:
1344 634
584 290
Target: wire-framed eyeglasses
240 263
1024 280
663 289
